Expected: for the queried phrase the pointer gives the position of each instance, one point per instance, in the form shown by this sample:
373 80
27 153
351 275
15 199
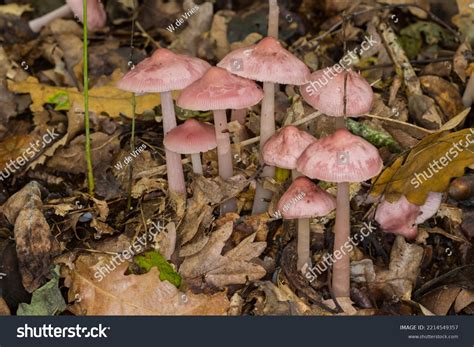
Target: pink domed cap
96 15
164 71
325 92
398 217
430 207
266 61
285 147
304 199
340 157
220 90
191 137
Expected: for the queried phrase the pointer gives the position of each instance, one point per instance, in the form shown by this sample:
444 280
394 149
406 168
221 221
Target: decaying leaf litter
64 251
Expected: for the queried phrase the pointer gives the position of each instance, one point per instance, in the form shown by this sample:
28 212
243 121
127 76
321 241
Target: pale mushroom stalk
38 23
174 168
342 230
197 164
267 119
303 244
224 155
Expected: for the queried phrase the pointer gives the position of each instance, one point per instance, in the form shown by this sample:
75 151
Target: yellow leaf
105 99
15 9
428 167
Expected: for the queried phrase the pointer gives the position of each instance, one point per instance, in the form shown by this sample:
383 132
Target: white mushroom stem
342 229
304 237
267 129
224 155
174 168
37 24
197 165
273 18
303 244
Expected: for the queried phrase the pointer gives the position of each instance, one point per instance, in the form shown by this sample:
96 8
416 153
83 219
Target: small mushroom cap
266 61
340 157
220 90
325 92
398 217
402 217
191 137
284 148
304 199
164 71
96 15
430 207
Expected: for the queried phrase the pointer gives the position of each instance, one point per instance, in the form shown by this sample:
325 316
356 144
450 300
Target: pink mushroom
162 73
285 147
340 157
219 90
326 93
270 63
96 15
283 150
191 137
402 217
304 200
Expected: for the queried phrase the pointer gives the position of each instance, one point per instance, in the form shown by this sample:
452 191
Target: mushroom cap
340 157
220 90
325 92
191 137
266 61
402 217
96 15
164 71
430 207
398 217
304 199
284 148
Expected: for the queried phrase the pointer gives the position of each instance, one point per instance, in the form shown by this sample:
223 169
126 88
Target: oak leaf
119 294
428 167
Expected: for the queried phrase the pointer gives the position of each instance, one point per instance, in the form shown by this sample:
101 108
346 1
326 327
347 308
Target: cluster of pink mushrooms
341 158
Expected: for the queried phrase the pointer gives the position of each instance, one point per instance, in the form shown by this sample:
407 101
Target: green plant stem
90 173
132 148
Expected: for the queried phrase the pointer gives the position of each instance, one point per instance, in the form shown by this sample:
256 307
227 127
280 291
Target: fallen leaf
148 260
404 175
445 93
132 295
28 196
235 267
440 300
46 301
15 9
104 99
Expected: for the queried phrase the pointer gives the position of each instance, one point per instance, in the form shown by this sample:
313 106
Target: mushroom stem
468 95
303 244
224 155
38 23
267 129
273 18
174 168
342 228
239 116
197 165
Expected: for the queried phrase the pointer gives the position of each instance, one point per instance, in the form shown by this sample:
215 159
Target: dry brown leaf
399 279
35 245
446 94
28 196
440 300
132 295
105 99
15 9
234 267
463 300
